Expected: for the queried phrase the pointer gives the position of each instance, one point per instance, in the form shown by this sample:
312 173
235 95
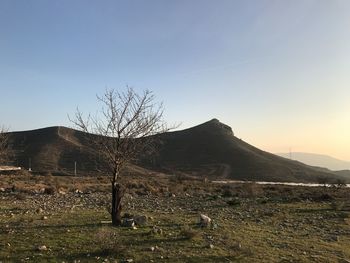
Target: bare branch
125 126
125 129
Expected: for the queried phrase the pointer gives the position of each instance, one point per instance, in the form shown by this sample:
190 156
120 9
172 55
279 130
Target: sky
277 72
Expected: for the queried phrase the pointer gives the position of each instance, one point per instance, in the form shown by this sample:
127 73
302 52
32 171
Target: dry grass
254 223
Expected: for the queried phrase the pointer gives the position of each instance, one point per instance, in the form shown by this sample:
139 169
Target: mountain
207 150
318 160
52 149
343 173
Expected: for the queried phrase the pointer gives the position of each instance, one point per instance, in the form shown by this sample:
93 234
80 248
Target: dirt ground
66 219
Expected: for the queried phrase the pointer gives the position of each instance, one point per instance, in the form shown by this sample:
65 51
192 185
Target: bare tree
3 145
125 127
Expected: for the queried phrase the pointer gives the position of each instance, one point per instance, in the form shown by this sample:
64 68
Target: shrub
323 197
340 183
188 233
337 205
234 202
20 196
253 189
227 191
50 190
107 241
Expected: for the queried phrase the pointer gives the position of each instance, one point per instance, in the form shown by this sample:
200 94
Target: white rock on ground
42 248
204 220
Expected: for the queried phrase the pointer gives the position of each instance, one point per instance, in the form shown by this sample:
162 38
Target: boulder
42 248
140 220
204 220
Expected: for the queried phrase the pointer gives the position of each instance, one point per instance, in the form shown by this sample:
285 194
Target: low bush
234 202
50 190
188 233
337 205
107 241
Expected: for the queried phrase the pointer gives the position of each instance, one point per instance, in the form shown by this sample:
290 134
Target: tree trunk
117 195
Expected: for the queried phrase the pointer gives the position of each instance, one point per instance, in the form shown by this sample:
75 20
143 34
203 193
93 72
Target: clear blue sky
277 72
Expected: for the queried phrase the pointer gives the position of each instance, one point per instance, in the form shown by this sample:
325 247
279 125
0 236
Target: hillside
320 160
52 149
207 150
212 150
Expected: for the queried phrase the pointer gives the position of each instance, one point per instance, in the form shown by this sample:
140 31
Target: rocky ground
66 221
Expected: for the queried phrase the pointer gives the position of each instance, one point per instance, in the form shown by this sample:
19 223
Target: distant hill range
207 150
318 160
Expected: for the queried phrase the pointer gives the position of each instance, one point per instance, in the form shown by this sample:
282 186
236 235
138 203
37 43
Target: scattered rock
211 246
39 210
214 226
157 230
204 220
237 246
2 189
44 218
61 192
42 248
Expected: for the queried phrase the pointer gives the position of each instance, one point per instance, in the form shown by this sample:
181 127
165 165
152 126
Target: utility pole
75 168
290 153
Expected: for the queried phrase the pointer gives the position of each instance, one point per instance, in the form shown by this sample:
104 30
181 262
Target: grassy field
251 223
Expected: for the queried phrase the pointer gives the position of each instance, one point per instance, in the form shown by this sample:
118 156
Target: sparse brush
50 190
234 202
227 191
344 215
337 205
107 240
252 190
56 184
188 233
20 196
